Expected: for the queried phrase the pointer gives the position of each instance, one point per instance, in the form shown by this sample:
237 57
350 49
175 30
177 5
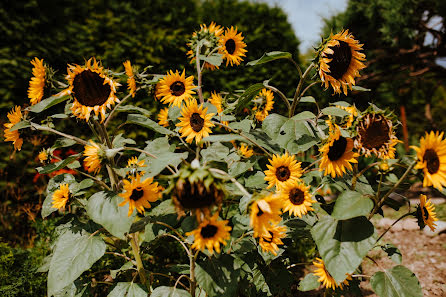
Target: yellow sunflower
296 199
173 88
195 122
60 196
337 154
245 151
14 116
139 193
135 165
426 213
43 156
375 135
270 243
282 171
92 89
232 46
131 83
94 156
264 213
432 159
353 113
37 82
325 278
264 104
340 61
163 117
211 36
216 100
210 234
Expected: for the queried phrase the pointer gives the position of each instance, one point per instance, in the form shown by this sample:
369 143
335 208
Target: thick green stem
199 73
193 283
139 265
394 223
298 94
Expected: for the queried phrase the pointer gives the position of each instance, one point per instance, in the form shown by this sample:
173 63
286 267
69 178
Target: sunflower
426 213
265 212
432 159
282 171
173 88
245 151
216 100
195 121
210 234
43 156
14 116
92 89
339 61
139 193
270 243
232 46
94 156
375 135
296 199
337 154
163 117
60 196
325 278
209 38
135 166
353 113
264 104
37 82
131 83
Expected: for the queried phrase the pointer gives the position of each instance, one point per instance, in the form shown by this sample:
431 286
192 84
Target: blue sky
306 17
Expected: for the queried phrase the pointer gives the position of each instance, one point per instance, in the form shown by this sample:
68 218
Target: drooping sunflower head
282 171
14 116
135 166
426 213
92 89
337 154
61 196
163 117
139 193
37 82
296 199
339 60
209 38
174 88
432 159
325 278
245 151
195 122
131 83
263 104
270 242
94 155
264 213
375 136
210 234
232 46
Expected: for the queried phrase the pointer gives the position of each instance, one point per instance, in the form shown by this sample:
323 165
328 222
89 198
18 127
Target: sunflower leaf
334 111
271 56
351 204
128 289
397 281
48 102
58 165
247 96
361 89
164 291
20 125
132 108
309 283
147 123
392 252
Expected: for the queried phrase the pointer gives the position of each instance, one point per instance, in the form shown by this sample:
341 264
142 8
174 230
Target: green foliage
396 282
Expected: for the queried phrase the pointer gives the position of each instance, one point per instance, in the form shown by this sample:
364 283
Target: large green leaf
343 244
335 111
396 282
127 289
47 103
272 124
223 138
238 168
268 57
247 96
147 123
73 254
216 152
103 208
309 283
132 108
351 204
164 291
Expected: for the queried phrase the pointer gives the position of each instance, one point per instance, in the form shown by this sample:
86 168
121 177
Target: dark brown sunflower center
283 173
196 122
259 212
341 59
195 195
433 162
337 149
208 231
89 88
137 193
426 213
230 46
297 196
270 239
177 88
375 135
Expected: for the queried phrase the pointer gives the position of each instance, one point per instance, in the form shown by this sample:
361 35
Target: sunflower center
89 88
283 173
297 196
196 122
230 46
177 88
137 193
208 231
195 195
375 135
341 59
426 213
432 160
270 239
337 149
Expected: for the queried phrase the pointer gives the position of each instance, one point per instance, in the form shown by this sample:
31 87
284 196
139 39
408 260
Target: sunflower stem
197 60
298 94
148 154
139 265
116 107
281 95
394 223
355 177
44 128
193 283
